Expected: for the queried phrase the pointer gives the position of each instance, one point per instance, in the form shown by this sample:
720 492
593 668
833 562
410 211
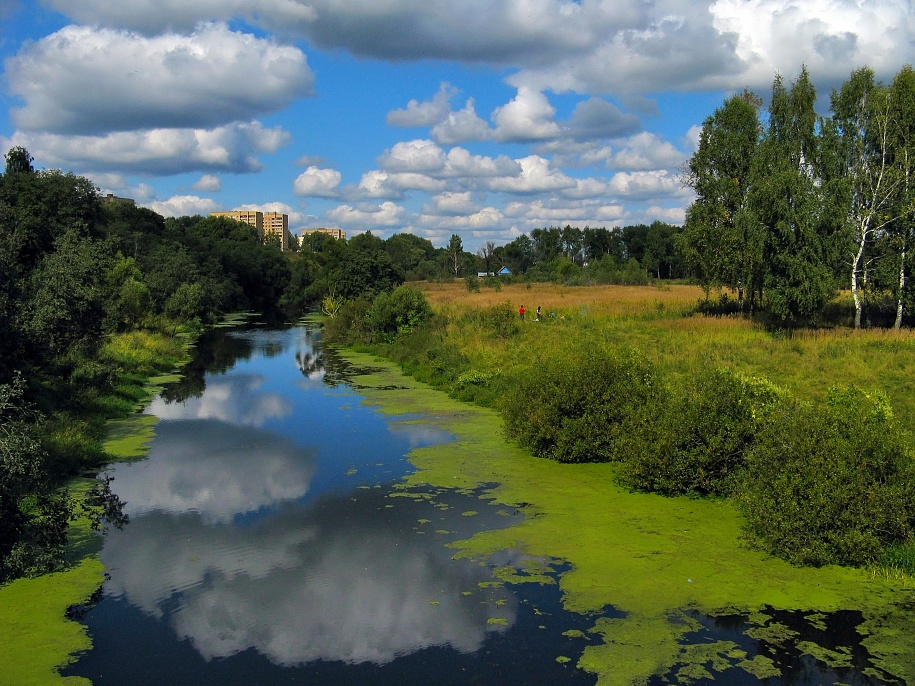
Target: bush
349 325
704 428
396 313
584 406
829 484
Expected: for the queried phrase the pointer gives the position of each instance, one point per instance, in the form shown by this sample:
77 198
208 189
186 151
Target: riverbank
664 562
39 636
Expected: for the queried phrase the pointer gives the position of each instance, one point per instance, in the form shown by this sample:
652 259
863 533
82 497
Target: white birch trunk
898 324
855 268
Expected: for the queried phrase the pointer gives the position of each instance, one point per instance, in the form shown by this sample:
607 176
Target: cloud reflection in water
234 399
216 470
349 580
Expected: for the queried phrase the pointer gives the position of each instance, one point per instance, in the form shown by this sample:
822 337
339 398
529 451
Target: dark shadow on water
807 647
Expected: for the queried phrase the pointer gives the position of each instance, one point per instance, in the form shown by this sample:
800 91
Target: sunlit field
662 322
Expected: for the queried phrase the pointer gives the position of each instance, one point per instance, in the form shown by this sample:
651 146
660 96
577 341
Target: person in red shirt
521 312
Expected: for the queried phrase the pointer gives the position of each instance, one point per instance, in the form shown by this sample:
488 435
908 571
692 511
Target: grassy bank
606 374
39 638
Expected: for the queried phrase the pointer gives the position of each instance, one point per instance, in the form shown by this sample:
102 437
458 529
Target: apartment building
339 234
249 217
268 224
277 224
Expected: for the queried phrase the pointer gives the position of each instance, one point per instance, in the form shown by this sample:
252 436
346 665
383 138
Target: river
274 537
269 543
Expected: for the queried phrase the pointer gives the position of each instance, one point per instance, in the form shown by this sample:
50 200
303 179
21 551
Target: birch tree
863 114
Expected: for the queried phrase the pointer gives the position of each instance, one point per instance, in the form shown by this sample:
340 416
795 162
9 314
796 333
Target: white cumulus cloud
83 80
317 183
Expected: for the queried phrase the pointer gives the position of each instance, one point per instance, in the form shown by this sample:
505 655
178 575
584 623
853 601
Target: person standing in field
521 312
538 313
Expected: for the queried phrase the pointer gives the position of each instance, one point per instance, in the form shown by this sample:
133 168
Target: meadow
662 322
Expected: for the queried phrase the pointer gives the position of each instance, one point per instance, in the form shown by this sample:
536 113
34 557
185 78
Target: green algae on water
657 560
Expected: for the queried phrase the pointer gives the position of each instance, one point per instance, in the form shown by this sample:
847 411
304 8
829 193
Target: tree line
793 206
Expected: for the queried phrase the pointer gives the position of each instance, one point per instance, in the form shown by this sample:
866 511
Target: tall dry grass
662 323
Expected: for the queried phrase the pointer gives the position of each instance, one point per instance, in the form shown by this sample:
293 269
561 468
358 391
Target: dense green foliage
585 406
830 483
819 482
788 213
76 274
697 439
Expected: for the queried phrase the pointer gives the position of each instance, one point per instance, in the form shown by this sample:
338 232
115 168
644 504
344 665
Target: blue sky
485 118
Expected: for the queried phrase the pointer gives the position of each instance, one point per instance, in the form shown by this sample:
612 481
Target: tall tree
719 246
18 161
455 252
487 254
902 137
786 203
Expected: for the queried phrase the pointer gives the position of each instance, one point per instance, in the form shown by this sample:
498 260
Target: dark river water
270 541
268 544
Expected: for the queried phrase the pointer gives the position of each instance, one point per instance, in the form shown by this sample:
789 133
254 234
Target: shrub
699 438
831 483
396 313
349 326
584 406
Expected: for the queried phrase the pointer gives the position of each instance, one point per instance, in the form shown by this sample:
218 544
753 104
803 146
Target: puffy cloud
461 163
646 151
829 36
484 218
424 113
671 215
460 126
229 148
427 157
541 213
208 183
317 183
647 185
528 117
84 80
537 176
380 184
586 188
589 46
183 206
452 204
413 156
179 15
385 215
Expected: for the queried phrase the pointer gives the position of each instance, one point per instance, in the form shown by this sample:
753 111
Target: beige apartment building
277 224
339 234
267 224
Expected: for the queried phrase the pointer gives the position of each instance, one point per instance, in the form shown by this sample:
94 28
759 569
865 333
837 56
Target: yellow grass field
661 322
